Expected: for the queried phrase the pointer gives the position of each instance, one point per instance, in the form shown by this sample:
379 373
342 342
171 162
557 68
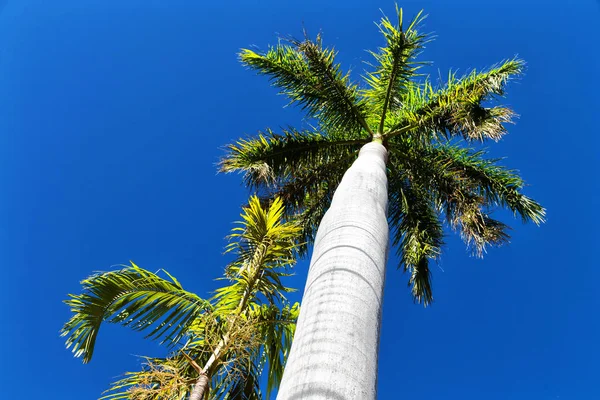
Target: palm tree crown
435 174
245 329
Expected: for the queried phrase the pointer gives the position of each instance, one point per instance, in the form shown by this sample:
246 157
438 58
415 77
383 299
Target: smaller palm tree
223 343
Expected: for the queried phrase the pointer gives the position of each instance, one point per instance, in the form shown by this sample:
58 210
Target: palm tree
397 150
228 340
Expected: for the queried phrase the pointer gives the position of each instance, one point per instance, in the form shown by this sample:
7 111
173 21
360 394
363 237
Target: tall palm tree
396 150
225 342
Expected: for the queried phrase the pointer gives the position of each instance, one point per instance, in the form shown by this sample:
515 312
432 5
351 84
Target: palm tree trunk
199 388
335 348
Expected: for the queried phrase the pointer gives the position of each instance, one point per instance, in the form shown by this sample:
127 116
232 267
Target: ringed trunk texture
335 349
199 388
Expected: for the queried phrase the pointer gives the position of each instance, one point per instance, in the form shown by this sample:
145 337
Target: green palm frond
276 327
242 382
263 238
458 109
465 185
272 155
303 168
229 338
417 233
395 65
132 297
307 73
457 173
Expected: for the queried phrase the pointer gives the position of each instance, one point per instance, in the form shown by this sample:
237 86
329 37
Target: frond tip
417 233
132 297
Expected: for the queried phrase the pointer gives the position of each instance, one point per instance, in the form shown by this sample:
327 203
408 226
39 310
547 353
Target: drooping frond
264 234
241 382
477 228
458 109
395 65
231 338
307 73
276 327
451 169
466 186
132 297
272 155
417 233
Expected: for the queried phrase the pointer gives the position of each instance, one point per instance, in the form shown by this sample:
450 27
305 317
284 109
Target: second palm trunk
335 349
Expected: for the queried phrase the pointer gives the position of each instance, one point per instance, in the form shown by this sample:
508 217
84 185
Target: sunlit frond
242 382
395 65
229 339
303 168
459 108
307 73
456 173
132 297
417 233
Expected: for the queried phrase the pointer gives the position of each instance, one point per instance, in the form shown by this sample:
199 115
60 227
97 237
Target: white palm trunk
335 348
199 387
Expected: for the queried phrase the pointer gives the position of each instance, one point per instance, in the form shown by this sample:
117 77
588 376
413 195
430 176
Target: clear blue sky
114 113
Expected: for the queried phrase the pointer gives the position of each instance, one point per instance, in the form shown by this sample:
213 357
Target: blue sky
114 113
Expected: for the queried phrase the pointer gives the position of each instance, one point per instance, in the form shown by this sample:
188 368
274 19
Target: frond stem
399 131
388 95
257 260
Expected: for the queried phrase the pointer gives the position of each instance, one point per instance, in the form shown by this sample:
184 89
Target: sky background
113 115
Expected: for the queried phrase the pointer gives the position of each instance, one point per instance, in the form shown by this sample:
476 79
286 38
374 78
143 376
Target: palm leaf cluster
436 175
245 329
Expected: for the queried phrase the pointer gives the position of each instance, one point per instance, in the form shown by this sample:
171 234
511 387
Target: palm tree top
434 173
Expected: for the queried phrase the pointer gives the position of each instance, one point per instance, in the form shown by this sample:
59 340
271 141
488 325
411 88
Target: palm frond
459 108
466 185
417 233
458 173
132 297
264 247
477 228
307 73
276 327
265 159
241 382
394 65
